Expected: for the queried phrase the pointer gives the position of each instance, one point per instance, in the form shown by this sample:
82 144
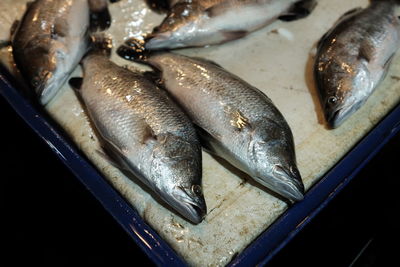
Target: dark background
49 218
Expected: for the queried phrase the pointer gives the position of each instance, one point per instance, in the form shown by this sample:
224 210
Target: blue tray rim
261 250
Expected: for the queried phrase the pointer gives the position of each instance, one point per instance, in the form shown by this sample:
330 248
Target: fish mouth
49 85
192 208
336 117
286 182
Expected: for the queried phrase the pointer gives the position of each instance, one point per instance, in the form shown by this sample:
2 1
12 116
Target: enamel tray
245 225
259 251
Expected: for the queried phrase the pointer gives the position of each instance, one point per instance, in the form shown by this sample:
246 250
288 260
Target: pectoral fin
100 18
299 10
233 35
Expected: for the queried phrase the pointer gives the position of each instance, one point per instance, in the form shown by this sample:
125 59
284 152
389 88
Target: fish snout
286 181
190 203
291 185
335 117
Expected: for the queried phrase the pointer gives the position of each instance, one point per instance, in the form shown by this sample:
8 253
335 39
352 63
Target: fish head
179 28
177 177
273 159
343 89
46 69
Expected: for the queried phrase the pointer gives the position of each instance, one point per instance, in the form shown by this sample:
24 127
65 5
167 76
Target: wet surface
65 227
282 73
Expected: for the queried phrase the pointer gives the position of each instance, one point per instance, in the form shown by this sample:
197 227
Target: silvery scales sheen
236 121
144 133
51 39
354 57
205 22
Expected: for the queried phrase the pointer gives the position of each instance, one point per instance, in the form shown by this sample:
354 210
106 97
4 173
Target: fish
353 58
235 121
51 39
144 133
208 22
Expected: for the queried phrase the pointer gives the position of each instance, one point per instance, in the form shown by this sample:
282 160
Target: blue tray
258 252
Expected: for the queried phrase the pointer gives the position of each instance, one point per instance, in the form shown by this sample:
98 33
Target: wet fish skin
207 22
237 121
353 58
49 43
51 39
145 133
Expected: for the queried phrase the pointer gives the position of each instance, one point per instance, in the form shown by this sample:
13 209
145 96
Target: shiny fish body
49 43
353 58
145 133
237 121
207 22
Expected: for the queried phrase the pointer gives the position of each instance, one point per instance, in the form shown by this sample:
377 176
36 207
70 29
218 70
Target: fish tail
299 10
133 49
100 43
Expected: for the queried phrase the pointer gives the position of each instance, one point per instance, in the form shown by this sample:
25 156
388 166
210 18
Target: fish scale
353 58
236 121
199 23
144 132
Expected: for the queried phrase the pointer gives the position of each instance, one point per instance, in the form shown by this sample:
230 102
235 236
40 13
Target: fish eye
196 189
35 82
332 100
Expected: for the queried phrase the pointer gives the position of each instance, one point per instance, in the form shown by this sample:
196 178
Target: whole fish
50 41
206 22
237 122
353 58
145 133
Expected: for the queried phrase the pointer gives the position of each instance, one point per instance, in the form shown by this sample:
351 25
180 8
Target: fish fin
206 139
154 76
158 6
365 52
76 83
100 43
299 10
217 9
207 61
60 28
323 38
133 50
14 28
345 16
100 18
148 135
233 35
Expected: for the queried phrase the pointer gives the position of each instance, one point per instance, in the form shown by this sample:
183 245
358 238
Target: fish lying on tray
144 132
238 211
236 121
51 39
207 22
354 56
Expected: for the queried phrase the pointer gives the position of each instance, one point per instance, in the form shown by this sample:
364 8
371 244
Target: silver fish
206 22
145 133
50 41
238 122
353 58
